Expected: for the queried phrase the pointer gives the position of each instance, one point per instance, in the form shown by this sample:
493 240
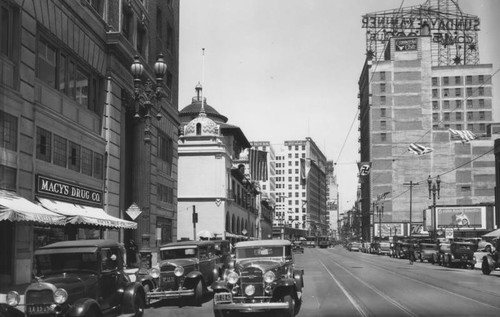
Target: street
343 283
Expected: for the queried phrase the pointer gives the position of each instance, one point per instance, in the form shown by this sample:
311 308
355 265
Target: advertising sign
467 217
62 190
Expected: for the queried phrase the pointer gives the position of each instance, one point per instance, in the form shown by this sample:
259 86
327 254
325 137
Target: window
446 116
481 115
127 22
468 80
46 70
382 112
63 72
434 93
383 125
382 75
446 80
141 39
435 81
383 137
166 151
446 92
382 87
481 91
469 115
382 100
43 145
60 151
165 193
435 116
481 103
435 105
8 131
97 5
446 104
86 161
7 32
458 92
469 91
7 177
458 103
458 80
480 79
159 23
74 156
458 116
469 103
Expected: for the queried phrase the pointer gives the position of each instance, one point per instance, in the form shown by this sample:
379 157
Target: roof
187 243
191 111
269 243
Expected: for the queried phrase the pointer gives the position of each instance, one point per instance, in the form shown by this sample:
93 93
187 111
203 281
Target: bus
317 241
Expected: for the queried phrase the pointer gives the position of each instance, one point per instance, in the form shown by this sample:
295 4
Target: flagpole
202 78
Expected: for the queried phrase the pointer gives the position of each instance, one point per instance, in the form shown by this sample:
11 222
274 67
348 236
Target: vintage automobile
427 251
401 249
460 254
384 247
354 246
81 278
443 247
263 277
375 247
185 270
297 247
491 261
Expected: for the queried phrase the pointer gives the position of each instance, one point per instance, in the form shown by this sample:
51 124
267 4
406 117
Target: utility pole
411 184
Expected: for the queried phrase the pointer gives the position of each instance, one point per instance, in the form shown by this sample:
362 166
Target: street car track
371 287
427 284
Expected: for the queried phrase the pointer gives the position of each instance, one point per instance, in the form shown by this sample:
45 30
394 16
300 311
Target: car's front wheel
139 305
485 267
290 312
198 294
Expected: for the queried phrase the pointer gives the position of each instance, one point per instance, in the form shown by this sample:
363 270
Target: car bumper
250 307
170 294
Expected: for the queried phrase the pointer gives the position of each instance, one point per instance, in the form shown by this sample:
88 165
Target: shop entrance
6 252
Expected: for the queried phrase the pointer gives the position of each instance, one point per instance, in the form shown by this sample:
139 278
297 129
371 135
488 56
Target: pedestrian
411 252
132 254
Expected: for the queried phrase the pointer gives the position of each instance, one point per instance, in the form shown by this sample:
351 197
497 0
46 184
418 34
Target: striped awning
86 215
16 208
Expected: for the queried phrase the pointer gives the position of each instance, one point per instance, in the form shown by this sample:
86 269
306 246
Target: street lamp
147 96
411 184
434 187
380 212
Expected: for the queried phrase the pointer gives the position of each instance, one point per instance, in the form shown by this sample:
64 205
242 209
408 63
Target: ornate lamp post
147 96
434 187
380 212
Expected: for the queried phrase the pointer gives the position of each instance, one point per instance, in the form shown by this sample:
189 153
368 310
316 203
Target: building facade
68 138
214 182
332 200
418 82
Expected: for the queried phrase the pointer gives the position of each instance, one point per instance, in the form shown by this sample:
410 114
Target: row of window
458 92
62 152
7 18
446 104
481 115
458 80
290 171
477 128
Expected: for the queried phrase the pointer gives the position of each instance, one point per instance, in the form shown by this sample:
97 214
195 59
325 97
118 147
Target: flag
305 166
418 149
258 164
465 135
364 168
382 196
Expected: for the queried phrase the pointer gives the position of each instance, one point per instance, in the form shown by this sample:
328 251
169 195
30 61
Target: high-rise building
332 200
421 77
68 137
301 187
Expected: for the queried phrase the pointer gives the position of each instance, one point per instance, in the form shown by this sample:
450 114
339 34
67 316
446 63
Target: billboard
458 217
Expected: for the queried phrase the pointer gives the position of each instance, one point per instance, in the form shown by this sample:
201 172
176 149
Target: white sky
288 69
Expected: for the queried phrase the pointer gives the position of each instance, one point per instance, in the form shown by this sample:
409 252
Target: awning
16 208
492 234
79 214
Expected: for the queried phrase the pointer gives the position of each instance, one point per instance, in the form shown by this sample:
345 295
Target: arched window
198 129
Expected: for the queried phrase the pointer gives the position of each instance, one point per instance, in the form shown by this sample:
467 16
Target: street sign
133 211
448 233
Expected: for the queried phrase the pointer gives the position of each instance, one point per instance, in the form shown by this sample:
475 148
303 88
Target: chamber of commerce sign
62 190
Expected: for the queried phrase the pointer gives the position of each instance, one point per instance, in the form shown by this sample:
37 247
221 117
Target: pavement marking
375 290
346 293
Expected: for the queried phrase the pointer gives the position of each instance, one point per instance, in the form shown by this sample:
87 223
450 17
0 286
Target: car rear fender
81 307
131 291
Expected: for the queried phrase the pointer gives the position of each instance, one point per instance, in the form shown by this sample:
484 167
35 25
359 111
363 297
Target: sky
289 69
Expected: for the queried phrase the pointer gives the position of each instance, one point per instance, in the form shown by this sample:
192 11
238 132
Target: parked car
365 247
375 247
427 251
443 247
81 278
385 247
401 249
185 270
297 247
491 261
263 277
460 254
355 246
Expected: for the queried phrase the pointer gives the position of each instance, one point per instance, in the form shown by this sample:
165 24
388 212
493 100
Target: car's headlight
179 271
269 276
232 278
60 296
13 298
155 273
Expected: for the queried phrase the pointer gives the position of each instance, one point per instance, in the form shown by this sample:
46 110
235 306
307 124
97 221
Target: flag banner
464 135
418 149
258 164
305 166
364 168
382 196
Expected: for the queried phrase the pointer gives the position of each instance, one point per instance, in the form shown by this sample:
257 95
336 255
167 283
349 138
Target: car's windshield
177 253
257 252
61 262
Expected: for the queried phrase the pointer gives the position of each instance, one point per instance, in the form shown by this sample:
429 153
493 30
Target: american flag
418 149
258 164
465 135
305 166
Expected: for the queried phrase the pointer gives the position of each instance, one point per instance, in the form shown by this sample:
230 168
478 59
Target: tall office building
301 187
332 200
421 77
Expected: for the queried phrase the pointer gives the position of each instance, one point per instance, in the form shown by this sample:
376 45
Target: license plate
169 279
37 309
222 298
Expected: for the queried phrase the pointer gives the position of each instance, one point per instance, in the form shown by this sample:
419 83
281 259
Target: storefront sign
61 190
406 44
